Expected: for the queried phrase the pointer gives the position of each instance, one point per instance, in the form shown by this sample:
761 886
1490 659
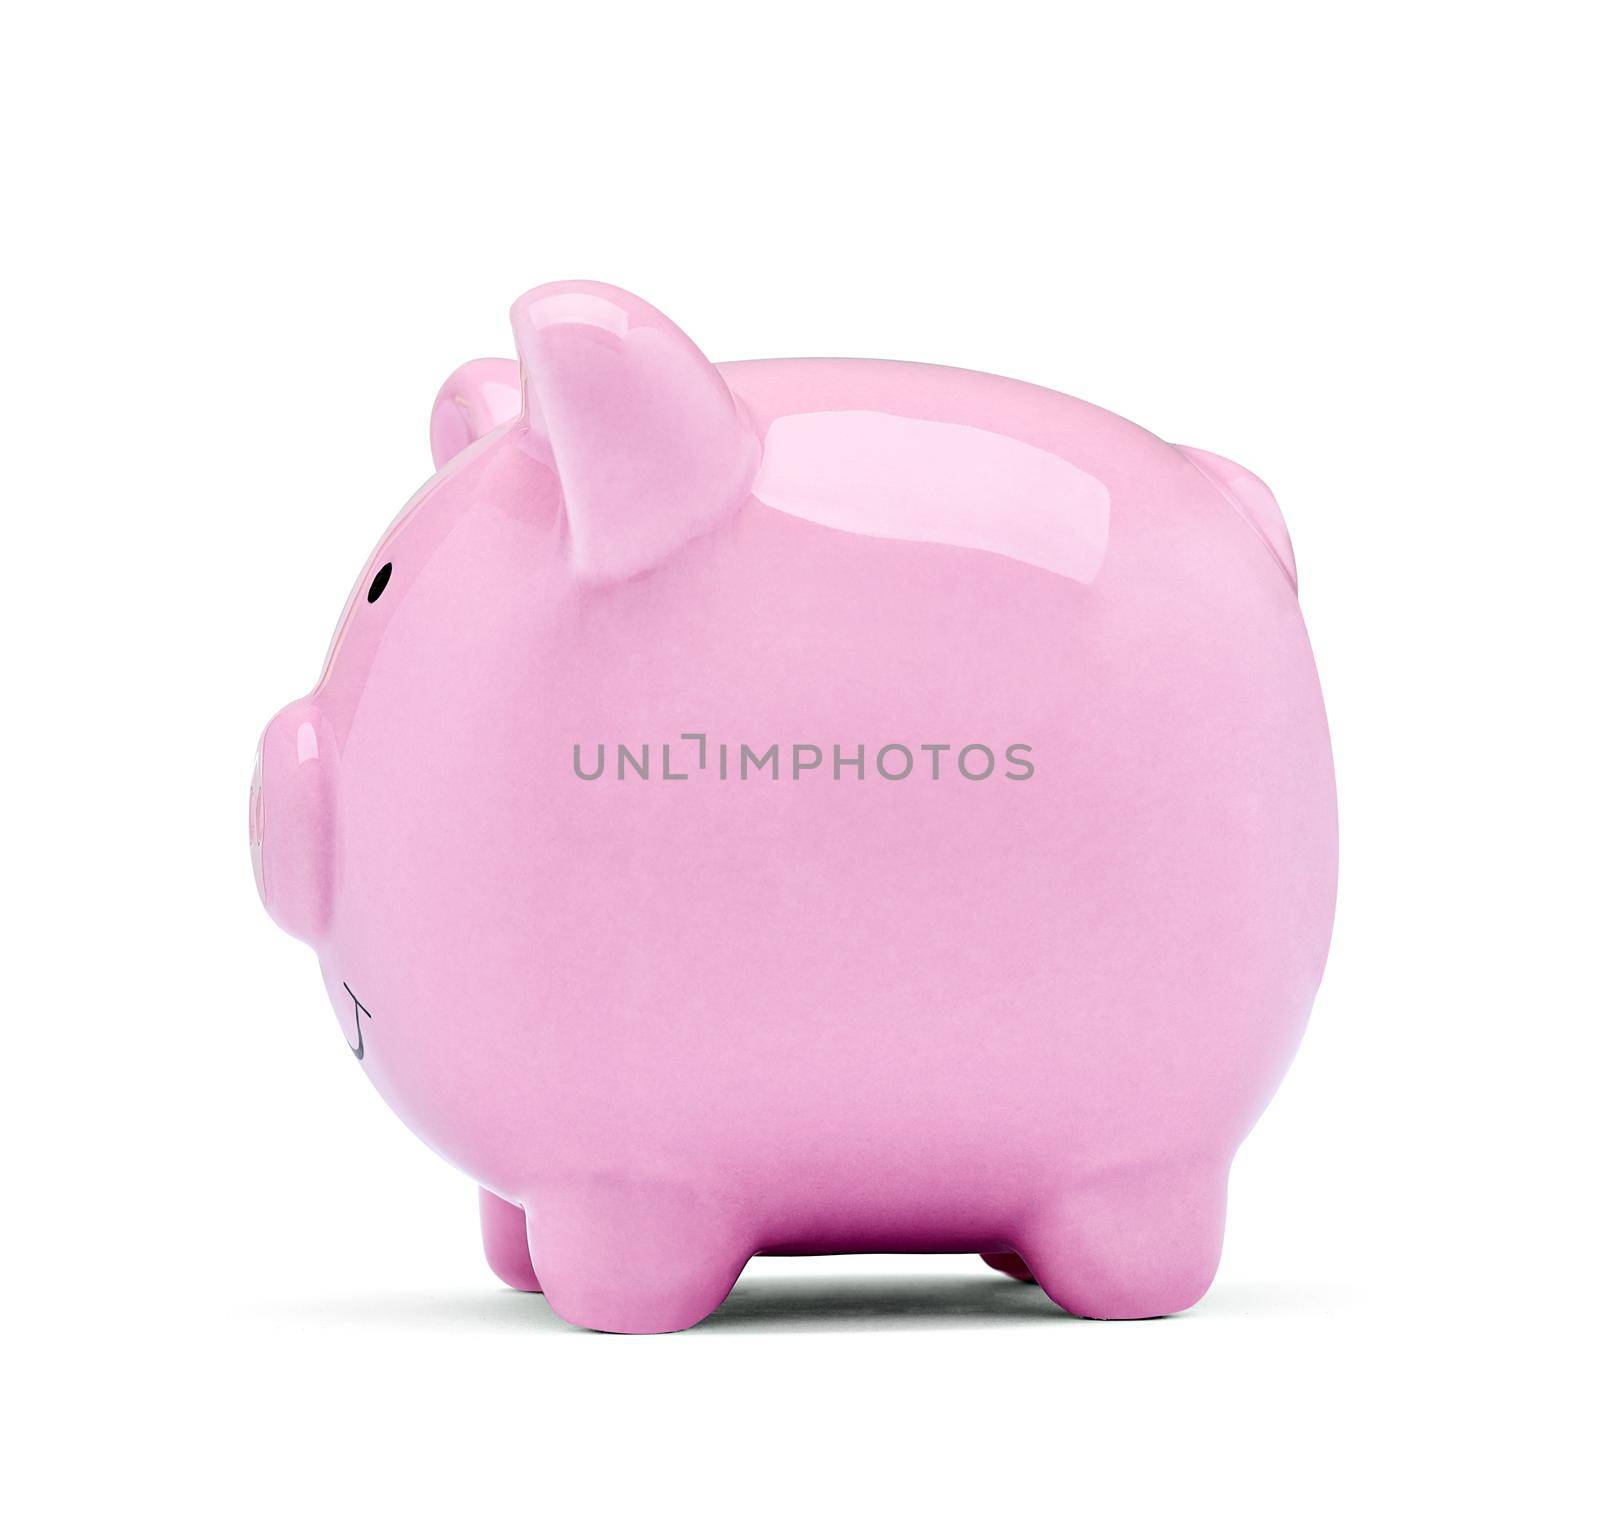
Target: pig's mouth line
360 1048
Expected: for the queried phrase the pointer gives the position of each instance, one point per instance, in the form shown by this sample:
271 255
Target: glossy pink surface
1003 949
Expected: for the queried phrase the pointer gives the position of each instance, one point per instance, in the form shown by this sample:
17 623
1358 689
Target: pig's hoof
632 1258
505 1242
1132 1246
1009 1263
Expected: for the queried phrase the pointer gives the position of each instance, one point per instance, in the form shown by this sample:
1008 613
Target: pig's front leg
1132 1244
505 1242
1009 1263
633 1256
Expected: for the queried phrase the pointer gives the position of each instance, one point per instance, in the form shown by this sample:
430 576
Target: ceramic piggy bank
812 806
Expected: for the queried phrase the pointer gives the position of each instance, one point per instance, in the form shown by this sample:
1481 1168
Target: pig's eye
380 582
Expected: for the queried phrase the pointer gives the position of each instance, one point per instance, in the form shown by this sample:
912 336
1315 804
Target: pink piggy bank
812 806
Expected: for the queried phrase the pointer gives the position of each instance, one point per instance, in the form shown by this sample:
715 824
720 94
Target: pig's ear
476 398
649 446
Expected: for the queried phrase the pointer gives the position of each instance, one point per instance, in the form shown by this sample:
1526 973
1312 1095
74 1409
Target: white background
1349 246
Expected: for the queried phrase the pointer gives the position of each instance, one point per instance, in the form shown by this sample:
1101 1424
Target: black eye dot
380 582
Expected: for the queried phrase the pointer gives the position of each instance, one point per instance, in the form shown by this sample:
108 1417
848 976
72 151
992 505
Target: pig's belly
896 1024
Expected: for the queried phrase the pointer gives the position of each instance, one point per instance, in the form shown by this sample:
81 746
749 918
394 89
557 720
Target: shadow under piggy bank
783 1305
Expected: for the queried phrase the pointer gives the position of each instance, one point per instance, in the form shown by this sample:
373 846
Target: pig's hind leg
505 1242
1132 1244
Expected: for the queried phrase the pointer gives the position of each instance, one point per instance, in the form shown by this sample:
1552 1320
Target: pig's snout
291 820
